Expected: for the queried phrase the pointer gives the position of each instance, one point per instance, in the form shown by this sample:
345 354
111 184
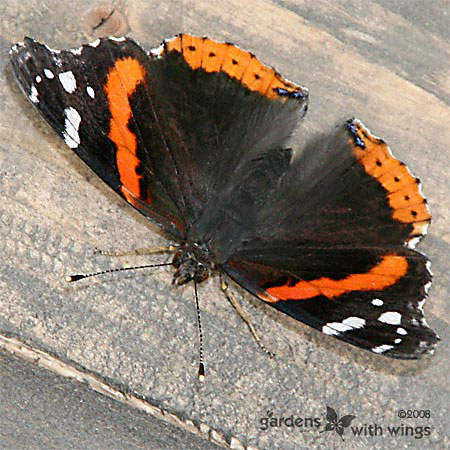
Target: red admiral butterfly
193 135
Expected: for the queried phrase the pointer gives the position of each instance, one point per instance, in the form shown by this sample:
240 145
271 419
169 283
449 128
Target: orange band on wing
382 276
407 202
122 81
224 57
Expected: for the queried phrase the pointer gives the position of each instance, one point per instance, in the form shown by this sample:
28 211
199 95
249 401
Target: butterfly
194 135
335 424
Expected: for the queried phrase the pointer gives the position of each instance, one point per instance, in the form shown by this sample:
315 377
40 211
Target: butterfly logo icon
335 424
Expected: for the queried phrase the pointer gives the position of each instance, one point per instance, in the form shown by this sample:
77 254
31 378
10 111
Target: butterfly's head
192 262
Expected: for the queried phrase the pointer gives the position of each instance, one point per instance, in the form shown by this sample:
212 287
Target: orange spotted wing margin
340 256
243 66
402 188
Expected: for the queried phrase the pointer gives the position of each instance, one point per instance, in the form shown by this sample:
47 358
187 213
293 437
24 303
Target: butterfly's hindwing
331 246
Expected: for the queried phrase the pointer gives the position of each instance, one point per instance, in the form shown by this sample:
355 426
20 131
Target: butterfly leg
242 313
137 251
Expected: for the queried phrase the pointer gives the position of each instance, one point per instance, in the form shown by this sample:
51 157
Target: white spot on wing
354 322
76 51
397 341
157 51
391 317
382 348
428 266
377 302
335 328
34 94
68 81
419 187
96 43
117 39
49 74
348 324
401 331
51 50
71 126
420 305
38 78
90 92
413 242
427 287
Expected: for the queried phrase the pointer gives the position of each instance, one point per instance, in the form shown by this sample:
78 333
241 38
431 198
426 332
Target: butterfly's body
194 135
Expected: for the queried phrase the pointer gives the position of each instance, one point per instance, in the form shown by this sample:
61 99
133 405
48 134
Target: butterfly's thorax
193 262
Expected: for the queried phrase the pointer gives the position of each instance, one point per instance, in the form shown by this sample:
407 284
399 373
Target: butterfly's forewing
88 96
160 128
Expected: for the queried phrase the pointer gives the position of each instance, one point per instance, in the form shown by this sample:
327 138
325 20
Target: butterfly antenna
201 366
81 276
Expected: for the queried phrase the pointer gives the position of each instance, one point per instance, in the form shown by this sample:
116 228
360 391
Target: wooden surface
385 62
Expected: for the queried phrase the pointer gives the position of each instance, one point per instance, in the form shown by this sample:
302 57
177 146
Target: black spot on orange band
212 56
404 196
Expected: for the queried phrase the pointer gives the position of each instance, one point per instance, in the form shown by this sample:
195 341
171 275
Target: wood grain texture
386 62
